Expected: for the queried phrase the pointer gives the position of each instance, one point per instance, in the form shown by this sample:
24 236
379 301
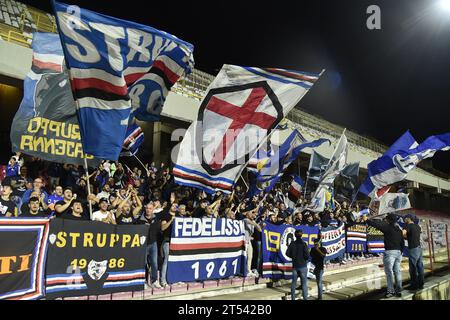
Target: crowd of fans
121 195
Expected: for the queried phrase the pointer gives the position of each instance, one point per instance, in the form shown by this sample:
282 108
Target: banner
333 239
275 241
94 258
46 124
205 249
375 240
356 240
22 258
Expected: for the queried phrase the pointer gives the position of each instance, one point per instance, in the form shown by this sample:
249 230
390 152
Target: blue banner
22 258
356 240
206 249
275 241
333 239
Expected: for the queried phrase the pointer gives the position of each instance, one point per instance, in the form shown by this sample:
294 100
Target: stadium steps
361 282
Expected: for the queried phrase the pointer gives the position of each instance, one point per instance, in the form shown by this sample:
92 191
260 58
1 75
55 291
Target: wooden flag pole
141 163
86 168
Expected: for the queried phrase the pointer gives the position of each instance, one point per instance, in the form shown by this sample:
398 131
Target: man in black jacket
393 245
318 255
412 233
298 252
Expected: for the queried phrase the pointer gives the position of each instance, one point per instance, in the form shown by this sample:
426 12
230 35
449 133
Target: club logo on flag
246 110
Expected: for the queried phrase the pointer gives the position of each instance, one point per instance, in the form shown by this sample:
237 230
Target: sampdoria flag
295 190
133 140
392 202
400 159
116 68
242 107
323 194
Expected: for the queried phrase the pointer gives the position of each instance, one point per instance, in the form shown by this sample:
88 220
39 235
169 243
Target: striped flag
133 140
117 69
242 107
375 240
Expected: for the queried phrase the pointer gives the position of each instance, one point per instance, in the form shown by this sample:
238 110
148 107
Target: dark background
377 82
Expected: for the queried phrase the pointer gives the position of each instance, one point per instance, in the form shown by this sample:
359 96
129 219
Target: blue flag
133 140
278 163
400 159
118 69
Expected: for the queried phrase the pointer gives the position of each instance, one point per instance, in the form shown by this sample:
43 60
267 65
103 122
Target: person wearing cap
13 168
103 214
299 253
318 255
393 245
8 208
412 232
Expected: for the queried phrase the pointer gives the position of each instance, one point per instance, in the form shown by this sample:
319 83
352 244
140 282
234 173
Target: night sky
377 82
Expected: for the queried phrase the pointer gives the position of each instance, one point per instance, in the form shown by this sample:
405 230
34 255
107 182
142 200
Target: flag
242 107
337 162
288 152
347 182
116 68
400 159
318 164
133 140
46 123
295 190
392 202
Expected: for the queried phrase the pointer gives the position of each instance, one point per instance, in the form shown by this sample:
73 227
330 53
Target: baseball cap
103 200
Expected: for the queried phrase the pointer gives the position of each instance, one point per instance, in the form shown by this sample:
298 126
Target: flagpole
140 163
246 185
86 169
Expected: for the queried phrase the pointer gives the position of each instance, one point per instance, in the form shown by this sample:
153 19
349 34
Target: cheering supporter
299 253
76 212
63 206
38 188
124 214
55 197
393 245
318 255
13 167
8 208
103 214
33 209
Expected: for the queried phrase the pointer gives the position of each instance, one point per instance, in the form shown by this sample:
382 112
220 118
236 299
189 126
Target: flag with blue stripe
276 165
118 69
400 159
133 140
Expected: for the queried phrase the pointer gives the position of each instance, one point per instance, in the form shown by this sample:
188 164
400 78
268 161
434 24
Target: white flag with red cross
242 107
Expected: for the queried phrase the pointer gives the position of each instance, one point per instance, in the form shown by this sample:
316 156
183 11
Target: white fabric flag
392 202
243 105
